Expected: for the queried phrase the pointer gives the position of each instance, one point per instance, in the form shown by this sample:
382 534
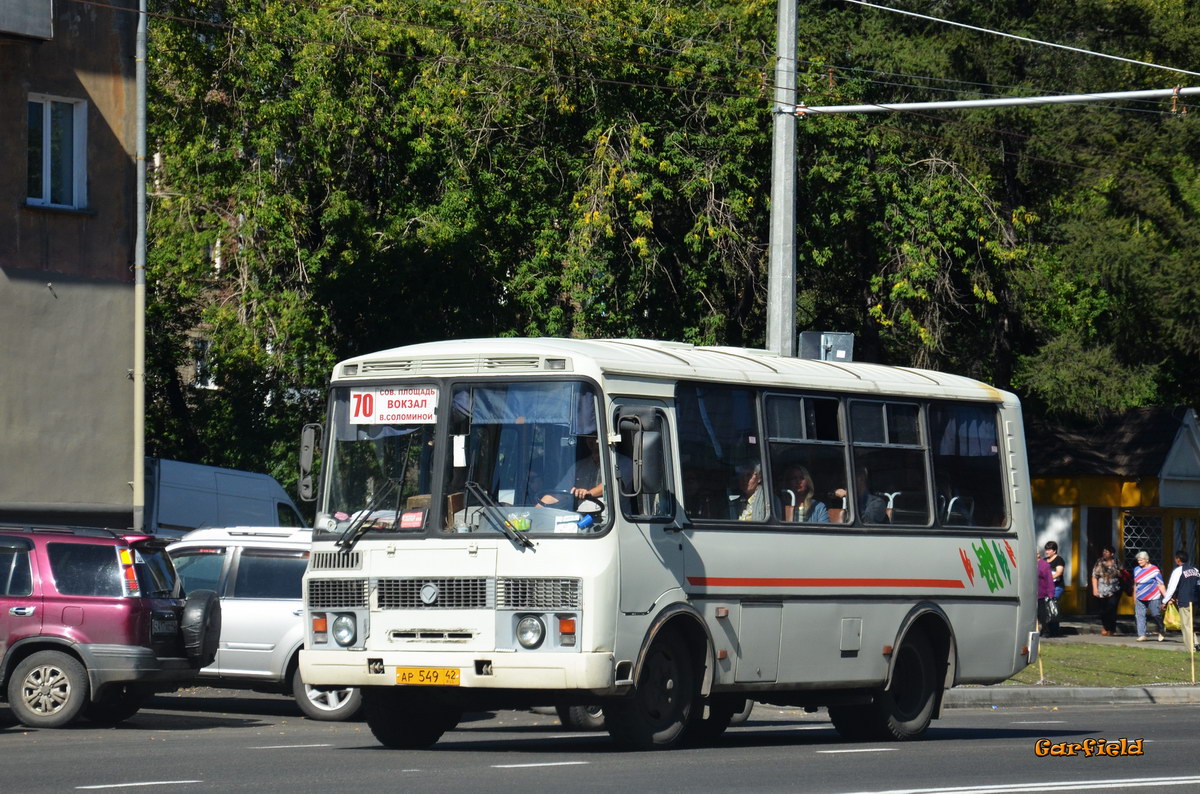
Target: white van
181 497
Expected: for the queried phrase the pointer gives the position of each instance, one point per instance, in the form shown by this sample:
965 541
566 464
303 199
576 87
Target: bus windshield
532 448
380 462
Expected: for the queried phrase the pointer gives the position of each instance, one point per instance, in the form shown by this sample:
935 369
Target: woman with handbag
1106 588
1045 594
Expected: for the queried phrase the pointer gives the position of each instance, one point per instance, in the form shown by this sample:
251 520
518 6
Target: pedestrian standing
1106 588
1184 589
1147 595
1058 567
1045 591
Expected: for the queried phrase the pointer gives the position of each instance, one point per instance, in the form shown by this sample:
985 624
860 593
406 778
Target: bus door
650 518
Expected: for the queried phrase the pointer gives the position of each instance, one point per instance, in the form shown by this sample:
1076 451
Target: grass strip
1104 665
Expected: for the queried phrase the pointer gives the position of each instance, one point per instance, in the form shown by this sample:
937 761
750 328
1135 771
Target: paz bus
664 530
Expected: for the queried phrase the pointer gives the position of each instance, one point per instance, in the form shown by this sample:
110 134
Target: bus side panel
825 607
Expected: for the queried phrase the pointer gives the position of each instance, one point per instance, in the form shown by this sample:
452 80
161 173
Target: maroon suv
92 622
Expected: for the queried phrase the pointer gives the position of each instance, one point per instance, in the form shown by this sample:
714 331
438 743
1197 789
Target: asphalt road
219 740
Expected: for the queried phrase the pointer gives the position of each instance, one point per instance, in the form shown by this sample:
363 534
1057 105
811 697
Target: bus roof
648 359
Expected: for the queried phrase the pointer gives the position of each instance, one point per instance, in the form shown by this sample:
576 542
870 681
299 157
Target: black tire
581 718
201 626
705 729
656 715
406 720
326 703
858 723
904 710
118 704
907 704
48 689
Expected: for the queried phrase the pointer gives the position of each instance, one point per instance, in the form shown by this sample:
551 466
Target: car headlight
530 631
344 630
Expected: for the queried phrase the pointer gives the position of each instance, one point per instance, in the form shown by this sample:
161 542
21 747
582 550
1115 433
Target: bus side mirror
310 437
640 451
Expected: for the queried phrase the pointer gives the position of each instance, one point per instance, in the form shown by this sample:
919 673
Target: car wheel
328 703
582 718
201 626
48 690
117 705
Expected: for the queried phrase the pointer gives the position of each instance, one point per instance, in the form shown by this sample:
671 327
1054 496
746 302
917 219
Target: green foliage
338 178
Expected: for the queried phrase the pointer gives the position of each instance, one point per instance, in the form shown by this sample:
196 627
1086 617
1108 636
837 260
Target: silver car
257 572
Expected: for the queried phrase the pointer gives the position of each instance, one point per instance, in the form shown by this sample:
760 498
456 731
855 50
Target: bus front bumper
497 670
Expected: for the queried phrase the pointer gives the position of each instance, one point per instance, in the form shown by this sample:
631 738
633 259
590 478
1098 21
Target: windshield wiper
358 527
491 509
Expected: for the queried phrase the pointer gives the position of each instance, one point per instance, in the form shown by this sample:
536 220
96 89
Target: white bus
665 531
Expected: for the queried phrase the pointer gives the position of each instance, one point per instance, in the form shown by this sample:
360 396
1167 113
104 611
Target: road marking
1039 722
147 783
287 746
863 750
529 766
1065 785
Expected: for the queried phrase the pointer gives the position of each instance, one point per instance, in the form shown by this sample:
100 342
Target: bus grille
514 593
335 561
337 593
435 594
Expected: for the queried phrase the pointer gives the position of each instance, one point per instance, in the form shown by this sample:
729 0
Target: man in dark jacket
1184 589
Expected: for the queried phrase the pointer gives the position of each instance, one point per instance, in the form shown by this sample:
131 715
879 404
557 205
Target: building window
57 175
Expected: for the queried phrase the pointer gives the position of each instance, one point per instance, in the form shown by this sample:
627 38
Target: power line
228 27
1021 38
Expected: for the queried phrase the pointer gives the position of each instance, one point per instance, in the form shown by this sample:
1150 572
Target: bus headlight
530 631
344 630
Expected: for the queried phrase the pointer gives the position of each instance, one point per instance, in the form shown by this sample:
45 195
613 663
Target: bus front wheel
655 716
405 720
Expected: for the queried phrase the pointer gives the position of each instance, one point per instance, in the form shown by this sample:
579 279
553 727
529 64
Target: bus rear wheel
655 716
904 709
405 720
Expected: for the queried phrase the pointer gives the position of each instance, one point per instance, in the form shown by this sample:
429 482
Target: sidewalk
1082 629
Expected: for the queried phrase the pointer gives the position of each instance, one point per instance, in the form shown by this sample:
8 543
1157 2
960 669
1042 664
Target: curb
1025 696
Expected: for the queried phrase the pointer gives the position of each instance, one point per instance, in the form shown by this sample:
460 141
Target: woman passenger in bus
797 497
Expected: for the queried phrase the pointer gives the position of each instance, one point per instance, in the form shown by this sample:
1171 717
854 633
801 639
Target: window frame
79 182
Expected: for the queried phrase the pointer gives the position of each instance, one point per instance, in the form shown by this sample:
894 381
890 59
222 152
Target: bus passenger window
889 461
718 446
808 459
968 477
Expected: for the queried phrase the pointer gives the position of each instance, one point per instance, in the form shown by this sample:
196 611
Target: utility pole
138 373
781 272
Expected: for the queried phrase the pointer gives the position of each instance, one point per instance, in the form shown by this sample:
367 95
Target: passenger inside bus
748 504
872 507
797 500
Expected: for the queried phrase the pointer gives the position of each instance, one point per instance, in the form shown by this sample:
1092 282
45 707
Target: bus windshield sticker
390 405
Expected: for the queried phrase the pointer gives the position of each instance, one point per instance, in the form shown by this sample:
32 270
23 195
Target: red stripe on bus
730 581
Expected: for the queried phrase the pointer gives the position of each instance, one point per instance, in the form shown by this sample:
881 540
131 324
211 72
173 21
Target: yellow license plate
428 676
